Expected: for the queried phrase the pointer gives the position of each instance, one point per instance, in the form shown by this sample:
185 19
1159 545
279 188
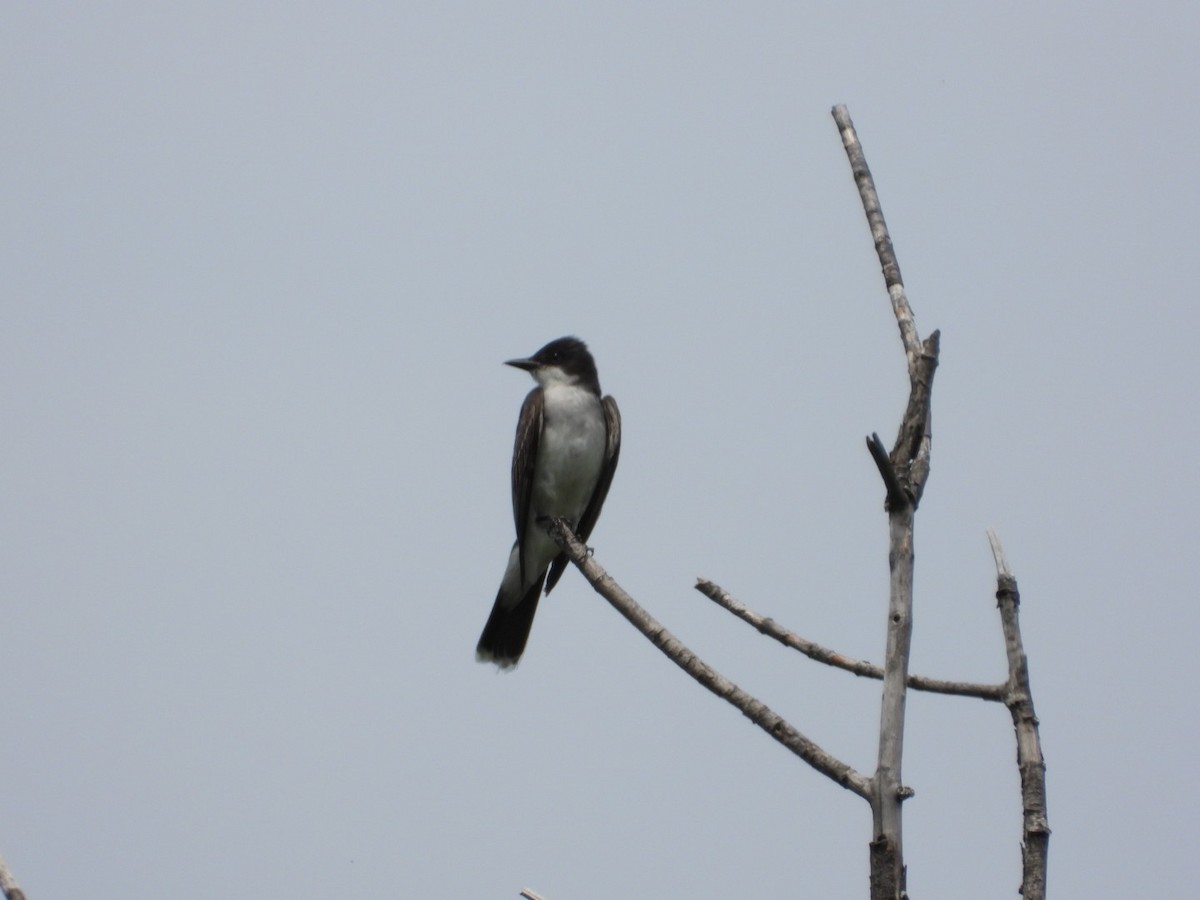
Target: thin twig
8 884
755 710
530 895
859 667
1030 763
1002 569
879 233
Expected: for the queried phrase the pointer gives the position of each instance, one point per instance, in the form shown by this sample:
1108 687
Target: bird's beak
528 365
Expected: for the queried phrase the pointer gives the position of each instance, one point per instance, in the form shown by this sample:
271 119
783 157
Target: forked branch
904 473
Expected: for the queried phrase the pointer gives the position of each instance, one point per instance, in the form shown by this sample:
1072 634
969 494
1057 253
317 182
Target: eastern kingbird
568 440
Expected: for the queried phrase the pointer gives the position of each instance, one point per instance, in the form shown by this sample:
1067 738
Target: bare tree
904 471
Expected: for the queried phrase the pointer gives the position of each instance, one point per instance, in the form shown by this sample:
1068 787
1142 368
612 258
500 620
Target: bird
567 445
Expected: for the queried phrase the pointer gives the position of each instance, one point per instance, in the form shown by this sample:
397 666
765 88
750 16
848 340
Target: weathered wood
675 650
859 667
1035 842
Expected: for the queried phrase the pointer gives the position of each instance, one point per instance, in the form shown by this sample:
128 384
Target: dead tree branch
1035 844
863 669
879 233
910 455
755 710
904 474
887 856
8 884
897 496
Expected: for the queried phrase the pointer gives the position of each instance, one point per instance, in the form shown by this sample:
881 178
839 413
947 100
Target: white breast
571 452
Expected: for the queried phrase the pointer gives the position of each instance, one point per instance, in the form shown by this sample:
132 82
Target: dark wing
612 452
529 432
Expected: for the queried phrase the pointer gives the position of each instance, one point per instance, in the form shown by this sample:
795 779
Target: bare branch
887 855
897 496
530 895
8 884
886 801
910 455
755 710
879 233
1002 569
859 667
1019 700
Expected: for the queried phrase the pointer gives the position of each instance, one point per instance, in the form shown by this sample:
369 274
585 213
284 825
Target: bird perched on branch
567 444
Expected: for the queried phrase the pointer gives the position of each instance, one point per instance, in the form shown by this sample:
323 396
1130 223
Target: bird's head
565 361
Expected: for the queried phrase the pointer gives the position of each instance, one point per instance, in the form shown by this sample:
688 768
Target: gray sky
262 264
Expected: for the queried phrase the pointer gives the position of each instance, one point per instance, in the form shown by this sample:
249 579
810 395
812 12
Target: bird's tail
507 629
